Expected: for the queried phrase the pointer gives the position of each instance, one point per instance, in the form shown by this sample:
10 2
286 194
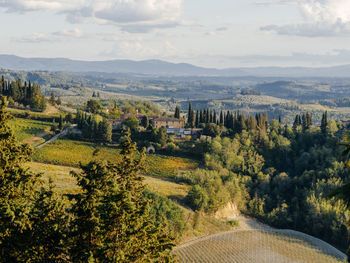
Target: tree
58 101
60 123
145 122
324 122
93 106
160 136
331 127
32 223
111 216
190 116
52 99
105 131
212 130
177 112
343 192
132 122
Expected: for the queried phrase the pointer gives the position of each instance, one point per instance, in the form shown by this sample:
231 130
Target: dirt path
64 132
246 223
37 138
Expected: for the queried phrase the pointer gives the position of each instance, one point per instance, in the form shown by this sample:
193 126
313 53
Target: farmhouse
168 123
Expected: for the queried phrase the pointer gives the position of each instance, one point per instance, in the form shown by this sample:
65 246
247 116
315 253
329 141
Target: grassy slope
71 153
197 225
26 129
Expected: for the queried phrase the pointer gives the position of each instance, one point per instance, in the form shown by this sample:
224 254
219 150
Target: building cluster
173 126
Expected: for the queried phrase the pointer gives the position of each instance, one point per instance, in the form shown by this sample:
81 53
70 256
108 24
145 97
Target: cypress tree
52 99
197 119
177 112
145 121
324 122
191 116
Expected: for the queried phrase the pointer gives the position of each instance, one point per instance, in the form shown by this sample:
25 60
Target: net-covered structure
259 246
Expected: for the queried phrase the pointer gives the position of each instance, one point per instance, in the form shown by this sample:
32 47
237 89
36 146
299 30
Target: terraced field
259 246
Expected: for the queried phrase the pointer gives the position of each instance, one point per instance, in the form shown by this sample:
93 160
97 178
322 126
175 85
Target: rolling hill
159 67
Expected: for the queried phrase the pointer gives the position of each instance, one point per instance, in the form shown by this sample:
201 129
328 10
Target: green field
25 129
71 153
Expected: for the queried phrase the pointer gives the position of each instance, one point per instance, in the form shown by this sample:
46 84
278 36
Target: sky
220 33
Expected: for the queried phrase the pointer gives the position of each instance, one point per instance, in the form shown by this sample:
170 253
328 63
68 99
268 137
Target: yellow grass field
71 153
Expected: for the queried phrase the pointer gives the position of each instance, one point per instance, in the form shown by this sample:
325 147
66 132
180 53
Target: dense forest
27 94
278 173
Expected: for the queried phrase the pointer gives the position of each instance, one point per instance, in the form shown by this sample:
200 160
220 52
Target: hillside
159 67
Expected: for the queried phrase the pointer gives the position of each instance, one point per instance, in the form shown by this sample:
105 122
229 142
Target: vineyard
26 129
71 153
258 246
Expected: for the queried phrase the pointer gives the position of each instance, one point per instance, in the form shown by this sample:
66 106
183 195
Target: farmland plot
259 246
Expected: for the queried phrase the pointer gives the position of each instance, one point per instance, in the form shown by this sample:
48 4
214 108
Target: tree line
27 94
99 131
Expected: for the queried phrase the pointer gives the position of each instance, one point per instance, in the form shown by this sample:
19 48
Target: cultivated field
71 153
65 183
25 129
259 246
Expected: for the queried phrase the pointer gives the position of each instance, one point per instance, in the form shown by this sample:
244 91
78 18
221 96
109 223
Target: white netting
259 246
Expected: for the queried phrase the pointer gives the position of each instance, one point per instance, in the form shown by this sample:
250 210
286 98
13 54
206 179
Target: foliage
32 222
93 106
131 122
165 213
25 93
112 216
26 128
93 129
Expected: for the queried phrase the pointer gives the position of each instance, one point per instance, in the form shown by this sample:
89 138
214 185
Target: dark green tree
60 123
145 122
93 106
177 112
111 215
52 99
190 116
324 122
32 222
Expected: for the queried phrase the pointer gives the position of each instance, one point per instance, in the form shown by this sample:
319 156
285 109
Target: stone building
168 123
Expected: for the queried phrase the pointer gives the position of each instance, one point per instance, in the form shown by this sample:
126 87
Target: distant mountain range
159 67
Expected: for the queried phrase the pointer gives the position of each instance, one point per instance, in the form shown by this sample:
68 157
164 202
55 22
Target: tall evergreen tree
177 112
32 222
197 119
221 117
112 216
324 122
52 99
145 121
190 117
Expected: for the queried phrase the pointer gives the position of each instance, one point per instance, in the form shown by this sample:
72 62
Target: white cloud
130 15
64 35
37 5
321 18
